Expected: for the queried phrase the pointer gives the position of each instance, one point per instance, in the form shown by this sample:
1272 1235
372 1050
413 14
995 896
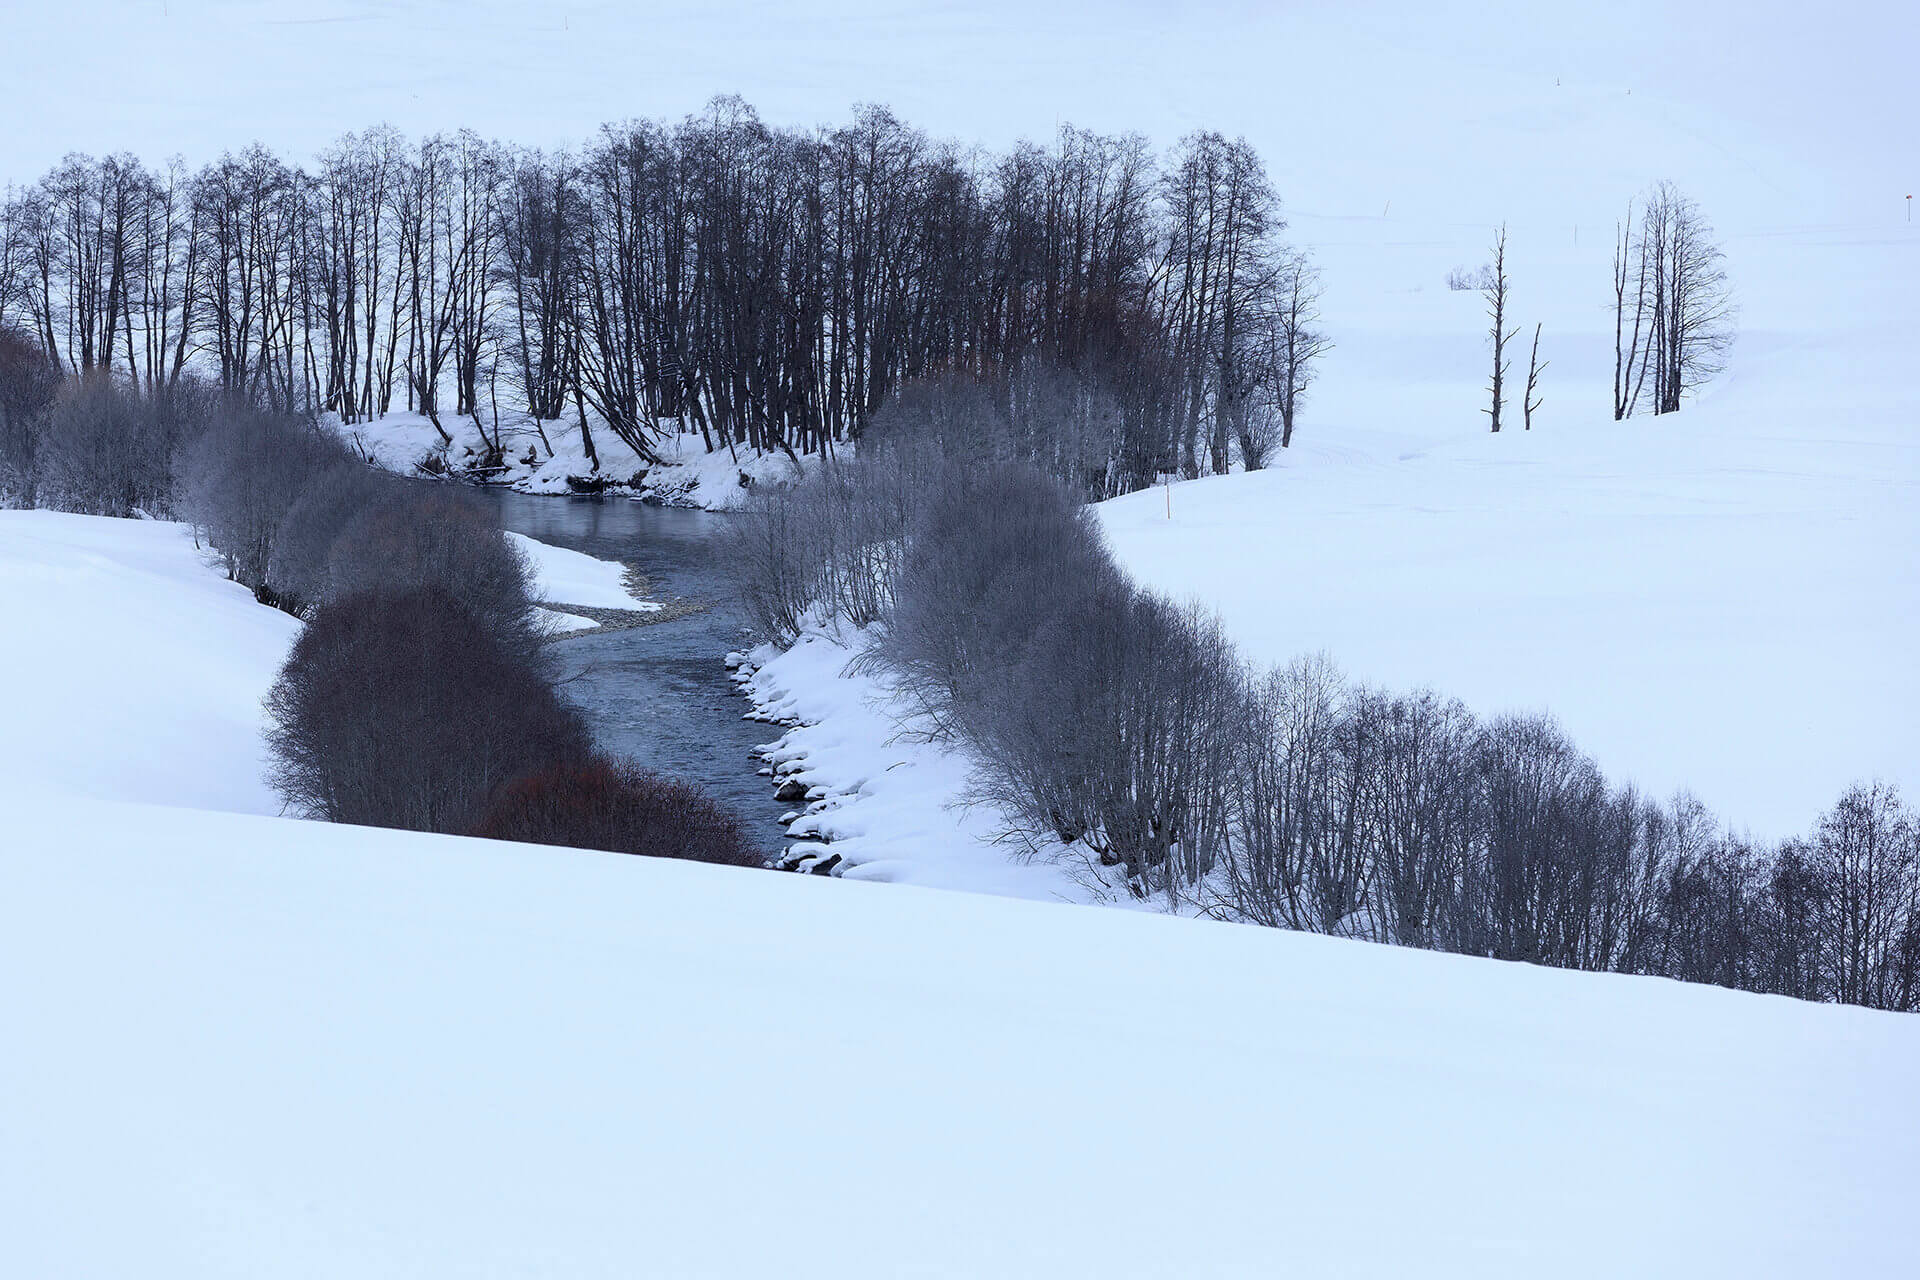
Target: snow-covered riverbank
551 458
874 799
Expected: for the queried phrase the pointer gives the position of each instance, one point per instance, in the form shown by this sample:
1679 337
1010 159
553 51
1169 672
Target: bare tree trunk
1529 401
1496 296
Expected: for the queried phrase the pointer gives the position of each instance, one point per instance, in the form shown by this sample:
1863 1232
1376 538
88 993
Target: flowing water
659 694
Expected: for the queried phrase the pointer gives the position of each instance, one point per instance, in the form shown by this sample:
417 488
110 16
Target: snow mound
564 576
551 458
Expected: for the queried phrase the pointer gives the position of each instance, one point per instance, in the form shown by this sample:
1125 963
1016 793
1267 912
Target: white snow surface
890 804
247 1046
242 1045
551 458
134 671
564 576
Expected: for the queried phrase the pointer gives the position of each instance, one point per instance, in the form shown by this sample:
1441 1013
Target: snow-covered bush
601 803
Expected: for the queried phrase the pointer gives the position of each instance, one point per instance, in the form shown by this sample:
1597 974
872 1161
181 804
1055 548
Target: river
659 694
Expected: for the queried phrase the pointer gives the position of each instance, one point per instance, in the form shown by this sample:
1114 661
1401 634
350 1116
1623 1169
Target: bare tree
1529 401
1297 344
1627 350
1495 293
1681 303
1865 850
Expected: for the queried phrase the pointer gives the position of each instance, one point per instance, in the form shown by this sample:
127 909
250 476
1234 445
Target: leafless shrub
105 450
402 709
1293 864
299 570
29 383
437 539
1866 853
1113 729
236 481
950 413
994 554
598 803
1469 280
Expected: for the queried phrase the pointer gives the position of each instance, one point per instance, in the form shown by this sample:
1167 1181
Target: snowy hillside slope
135 671
1726 599
262 1047
1448 110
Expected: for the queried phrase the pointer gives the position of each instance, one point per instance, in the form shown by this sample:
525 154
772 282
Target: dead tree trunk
1496 296
1529 402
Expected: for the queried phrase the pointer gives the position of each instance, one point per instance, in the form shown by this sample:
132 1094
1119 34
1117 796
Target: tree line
765 287
1124 735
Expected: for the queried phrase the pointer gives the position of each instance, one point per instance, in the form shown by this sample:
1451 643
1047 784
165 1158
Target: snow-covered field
136 671
132 670
253 1047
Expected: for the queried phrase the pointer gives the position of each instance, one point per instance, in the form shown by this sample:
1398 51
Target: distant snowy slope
1726 599
1471 111
257 1047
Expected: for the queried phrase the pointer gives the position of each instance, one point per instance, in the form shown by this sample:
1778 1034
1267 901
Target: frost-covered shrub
1114 729
993 554
402 709
419 539
1469 279
29 383
299 569
832 541
238 479
106 450
949 414
599 803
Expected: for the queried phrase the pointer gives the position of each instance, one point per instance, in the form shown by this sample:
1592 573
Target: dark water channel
659 694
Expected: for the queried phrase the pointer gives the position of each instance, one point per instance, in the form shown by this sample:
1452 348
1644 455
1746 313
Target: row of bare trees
1124 736
765 287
